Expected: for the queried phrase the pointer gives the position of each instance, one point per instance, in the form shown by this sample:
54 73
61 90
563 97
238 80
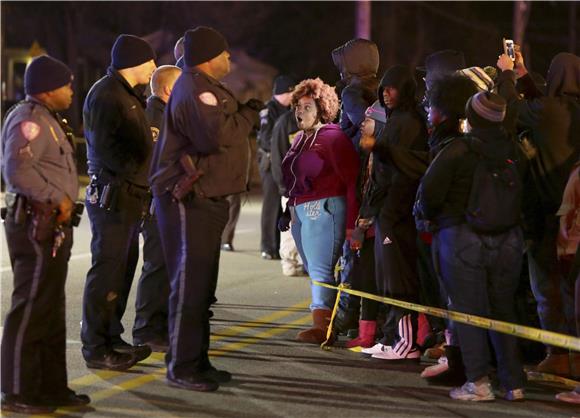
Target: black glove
255 104
284 221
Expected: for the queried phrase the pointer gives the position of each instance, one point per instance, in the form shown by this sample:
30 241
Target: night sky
294 37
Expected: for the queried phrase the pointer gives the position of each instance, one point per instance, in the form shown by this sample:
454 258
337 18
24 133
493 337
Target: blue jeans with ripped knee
319 229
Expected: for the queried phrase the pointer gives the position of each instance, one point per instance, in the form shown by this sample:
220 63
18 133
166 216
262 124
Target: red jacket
322 165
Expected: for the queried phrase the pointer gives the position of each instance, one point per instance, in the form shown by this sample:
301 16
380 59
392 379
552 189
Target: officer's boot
316 334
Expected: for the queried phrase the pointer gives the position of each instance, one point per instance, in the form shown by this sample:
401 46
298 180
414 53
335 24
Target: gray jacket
38 160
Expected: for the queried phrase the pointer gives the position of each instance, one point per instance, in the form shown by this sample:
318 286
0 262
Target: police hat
44 74
202 44
130 51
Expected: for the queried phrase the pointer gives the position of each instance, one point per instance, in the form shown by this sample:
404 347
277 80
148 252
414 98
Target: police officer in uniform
200 158
41 178
150 327
119 147
271 209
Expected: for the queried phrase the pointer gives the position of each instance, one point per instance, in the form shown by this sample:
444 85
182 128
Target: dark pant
235 205
34 338
190 234
430 291
115 252
152 288
552 289
363 272
480 274
271 211
396 274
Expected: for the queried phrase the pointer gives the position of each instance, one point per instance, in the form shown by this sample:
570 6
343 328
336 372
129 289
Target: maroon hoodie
322 165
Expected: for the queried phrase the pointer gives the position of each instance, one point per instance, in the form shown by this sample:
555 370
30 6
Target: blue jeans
480 274
319 229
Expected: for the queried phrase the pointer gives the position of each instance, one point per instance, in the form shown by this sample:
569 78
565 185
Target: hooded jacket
358 63
406 129
554 123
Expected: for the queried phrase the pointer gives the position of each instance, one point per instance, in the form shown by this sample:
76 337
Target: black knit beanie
130 51
283 84
485 110
45 73
202 44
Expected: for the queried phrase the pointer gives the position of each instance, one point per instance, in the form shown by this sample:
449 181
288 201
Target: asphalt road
257 316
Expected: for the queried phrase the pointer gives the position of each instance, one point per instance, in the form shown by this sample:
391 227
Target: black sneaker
112 360
69 398
140 352
220 376
195 382
16 403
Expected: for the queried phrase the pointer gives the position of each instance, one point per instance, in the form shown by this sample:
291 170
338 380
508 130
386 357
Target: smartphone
508 48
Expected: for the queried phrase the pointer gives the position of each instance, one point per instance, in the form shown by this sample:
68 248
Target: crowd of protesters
442 201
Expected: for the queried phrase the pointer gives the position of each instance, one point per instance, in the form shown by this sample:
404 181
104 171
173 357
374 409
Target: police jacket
38 160
268 117
155 111
117 131
204 120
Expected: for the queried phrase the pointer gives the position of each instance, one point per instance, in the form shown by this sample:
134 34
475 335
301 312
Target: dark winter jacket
268 117
445 187
406 129
116 129
155 111
283 134
205 120
554 124
358 62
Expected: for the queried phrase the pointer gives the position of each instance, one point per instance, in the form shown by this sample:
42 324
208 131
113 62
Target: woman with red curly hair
320 172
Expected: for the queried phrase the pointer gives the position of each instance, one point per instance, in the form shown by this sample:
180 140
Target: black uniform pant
235 206
115 252
34 338
152 288
271 212
190 234
396 273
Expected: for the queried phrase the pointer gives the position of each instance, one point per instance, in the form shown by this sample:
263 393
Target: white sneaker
377 348
435 370
471 391
387 353
570 397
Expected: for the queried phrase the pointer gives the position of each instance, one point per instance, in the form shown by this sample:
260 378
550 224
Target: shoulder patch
30 130
208 98
154 133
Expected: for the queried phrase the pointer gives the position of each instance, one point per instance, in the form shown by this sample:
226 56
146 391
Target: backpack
494 203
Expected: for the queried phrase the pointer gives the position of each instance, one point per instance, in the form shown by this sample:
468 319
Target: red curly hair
324 96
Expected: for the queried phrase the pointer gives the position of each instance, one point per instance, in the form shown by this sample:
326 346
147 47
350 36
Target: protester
395 234
479 264
554 123
320 172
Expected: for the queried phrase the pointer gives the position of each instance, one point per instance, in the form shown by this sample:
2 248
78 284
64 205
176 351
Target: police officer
205 134
150 327
119 146
271 209
41 179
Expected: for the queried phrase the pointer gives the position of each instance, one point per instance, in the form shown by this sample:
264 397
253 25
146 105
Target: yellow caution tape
546 337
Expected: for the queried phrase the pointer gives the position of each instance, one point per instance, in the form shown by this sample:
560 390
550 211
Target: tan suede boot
320 322
555 363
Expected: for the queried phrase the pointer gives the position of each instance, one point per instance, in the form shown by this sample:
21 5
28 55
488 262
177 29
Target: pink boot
366 335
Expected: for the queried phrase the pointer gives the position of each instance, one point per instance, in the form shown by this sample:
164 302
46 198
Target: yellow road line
97 376
159 374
